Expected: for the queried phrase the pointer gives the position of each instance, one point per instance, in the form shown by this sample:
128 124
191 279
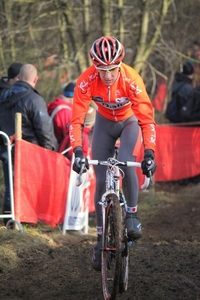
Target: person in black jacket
13 75
185 78
5 83
22 97
182 89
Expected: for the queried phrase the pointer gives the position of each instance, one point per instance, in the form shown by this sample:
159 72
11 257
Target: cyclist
123 107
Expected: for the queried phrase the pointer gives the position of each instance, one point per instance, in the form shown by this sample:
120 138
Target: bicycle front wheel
111 248
123 281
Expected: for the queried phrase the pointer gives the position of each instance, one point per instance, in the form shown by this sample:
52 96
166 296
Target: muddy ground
42 264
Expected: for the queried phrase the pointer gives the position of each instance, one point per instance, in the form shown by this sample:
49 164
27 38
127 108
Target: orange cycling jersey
127 96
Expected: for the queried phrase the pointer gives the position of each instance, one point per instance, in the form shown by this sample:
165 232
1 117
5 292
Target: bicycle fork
106 202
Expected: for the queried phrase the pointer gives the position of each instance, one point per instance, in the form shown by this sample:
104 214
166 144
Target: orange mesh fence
177 152
41 179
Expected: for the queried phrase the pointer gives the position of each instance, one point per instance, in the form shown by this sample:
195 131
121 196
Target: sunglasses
104 71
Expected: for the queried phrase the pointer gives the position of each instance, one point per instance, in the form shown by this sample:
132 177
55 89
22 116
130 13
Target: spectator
185 77
23 98
60 110
13 76
194 53
6 83
181 91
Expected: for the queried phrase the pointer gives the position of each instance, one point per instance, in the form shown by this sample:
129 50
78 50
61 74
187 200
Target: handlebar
111 162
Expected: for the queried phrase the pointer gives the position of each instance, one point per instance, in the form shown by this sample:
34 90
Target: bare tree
56 36
144 46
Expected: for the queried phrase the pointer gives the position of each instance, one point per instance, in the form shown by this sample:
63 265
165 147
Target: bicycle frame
115 243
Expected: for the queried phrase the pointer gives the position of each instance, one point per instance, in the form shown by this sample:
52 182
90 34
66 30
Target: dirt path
165 263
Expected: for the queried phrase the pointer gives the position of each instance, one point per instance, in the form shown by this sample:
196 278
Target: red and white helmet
106 51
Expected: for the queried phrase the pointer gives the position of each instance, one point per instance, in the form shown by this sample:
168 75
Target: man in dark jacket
182 89
5 83
23 98
184 81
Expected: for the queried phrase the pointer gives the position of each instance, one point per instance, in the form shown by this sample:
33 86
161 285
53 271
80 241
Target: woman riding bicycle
123 107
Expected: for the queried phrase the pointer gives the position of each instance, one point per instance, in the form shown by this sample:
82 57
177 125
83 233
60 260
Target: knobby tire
123 280
111 258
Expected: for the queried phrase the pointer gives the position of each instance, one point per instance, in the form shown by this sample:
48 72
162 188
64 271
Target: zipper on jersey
108 93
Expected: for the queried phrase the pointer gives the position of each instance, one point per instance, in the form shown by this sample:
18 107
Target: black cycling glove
148 164
78 161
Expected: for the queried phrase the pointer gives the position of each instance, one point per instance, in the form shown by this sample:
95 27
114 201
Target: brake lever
150 173
79 180
151 179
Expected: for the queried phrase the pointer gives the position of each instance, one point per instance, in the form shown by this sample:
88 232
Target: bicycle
115 242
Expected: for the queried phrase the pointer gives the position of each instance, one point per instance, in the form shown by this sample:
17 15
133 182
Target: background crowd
46 125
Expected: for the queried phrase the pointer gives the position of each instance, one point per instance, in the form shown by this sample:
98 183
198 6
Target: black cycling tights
105 135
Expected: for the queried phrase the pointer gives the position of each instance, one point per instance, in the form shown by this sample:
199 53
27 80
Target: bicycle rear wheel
111 249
